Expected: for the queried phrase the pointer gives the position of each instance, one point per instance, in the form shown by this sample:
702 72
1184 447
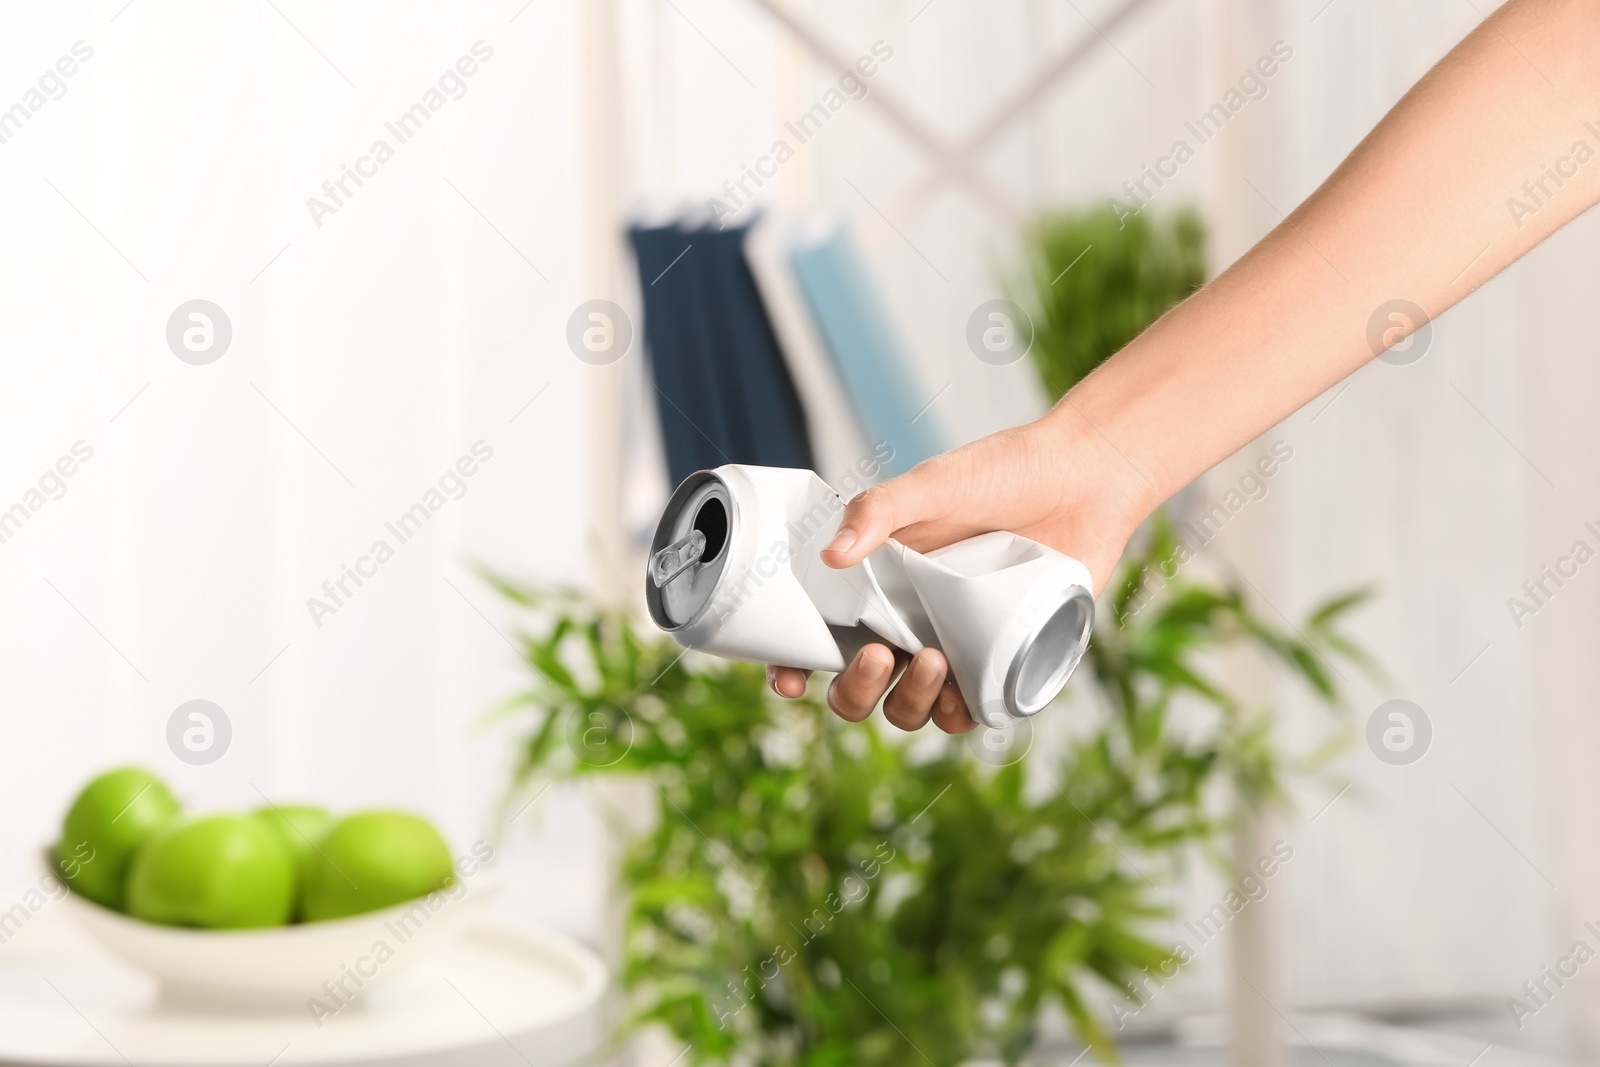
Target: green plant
1093 281
815 893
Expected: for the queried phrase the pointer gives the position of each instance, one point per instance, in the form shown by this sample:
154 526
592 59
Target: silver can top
689 552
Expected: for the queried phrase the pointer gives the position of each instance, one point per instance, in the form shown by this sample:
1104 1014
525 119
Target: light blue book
862 345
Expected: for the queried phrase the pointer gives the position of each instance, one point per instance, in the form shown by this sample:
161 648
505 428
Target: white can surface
735 570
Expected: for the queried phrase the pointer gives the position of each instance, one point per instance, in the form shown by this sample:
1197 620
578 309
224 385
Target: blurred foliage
810 892
1093 282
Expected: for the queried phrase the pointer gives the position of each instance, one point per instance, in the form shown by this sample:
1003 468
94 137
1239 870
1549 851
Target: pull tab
677 558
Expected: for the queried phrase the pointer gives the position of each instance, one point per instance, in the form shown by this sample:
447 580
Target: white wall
369 355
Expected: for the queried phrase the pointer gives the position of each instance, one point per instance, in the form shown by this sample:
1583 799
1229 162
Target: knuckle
845 700
871 501
899 710
906 718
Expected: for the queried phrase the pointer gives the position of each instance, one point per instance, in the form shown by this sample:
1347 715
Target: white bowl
283 966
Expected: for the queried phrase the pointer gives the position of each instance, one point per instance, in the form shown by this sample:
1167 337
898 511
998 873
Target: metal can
735 570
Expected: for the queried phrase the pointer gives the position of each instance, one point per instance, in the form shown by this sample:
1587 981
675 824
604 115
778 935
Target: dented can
735 570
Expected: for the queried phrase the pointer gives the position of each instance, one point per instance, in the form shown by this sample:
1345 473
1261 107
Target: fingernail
873 668
842 540
925 671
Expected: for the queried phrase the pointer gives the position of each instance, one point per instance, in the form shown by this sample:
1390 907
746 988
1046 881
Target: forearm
1422 211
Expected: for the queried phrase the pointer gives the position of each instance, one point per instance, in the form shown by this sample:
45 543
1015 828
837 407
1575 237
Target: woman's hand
1057 481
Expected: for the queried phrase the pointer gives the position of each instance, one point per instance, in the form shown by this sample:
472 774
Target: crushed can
735 570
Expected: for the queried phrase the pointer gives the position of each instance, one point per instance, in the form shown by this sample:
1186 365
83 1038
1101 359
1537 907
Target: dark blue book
723 390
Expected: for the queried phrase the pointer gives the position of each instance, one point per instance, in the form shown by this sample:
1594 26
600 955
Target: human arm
1490 153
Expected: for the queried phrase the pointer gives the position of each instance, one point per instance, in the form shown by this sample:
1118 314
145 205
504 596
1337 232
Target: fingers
912 702
855 692
925 692
871 517
950 712
787 681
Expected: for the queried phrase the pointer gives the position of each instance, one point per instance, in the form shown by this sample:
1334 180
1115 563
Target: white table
513 995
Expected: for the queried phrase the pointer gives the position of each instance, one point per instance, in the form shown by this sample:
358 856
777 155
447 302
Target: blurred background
380 332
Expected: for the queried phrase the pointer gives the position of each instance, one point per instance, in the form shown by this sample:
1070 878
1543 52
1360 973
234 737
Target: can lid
690 550
1051 653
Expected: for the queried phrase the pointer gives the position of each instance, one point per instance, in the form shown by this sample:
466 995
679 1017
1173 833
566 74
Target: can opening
1045 662
712 521
690 551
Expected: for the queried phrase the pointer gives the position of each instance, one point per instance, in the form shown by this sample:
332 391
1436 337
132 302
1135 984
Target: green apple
221 872
301 826
115 814
372 860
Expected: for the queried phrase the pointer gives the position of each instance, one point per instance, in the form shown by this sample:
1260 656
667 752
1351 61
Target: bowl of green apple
281 905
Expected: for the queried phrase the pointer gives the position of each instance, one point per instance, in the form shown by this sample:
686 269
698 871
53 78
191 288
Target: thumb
873 516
